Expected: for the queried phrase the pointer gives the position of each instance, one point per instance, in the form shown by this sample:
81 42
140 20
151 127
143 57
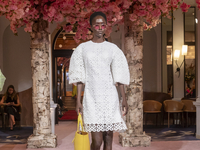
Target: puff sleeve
119 67
76 67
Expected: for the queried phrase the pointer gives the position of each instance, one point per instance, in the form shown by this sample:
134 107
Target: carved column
197 103
42 136
134 92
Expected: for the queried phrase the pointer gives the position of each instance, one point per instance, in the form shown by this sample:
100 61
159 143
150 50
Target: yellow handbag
74 91
81 139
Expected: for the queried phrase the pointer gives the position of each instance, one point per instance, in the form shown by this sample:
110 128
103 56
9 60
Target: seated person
11 102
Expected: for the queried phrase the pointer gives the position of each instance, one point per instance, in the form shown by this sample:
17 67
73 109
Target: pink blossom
156 13
89 36
142 6
184 7
115 8
59 17
19 13
127 4
150 7
114 19
164 8
52 11
13 7
27 10
76 40
133 17
77 12
142 13
198 2
145 26
67 28
118 1
28 27
174 2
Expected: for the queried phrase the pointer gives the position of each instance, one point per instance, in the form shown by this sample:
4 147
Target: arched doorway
62 49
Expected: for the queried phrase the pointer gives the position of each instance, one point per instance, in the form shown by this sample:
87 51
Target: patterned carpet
174 133
69 115
162 133
17 136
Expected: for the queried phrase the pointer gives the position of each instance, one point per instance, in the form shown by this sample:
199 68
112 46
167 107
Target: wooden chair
188 108
175 107
5 117
151 107
2 116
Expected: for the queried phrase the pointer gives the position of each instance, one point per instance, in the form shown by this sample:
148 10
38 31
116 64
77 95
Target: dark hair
14 94
98 13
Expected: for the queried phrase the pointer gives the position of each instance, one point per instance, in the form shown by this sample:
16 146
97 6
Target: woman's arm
18 103
79 106
124 101
2 101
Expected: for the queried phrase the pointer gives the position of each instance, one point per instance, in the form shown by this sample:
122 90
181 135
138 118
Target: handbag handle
80 122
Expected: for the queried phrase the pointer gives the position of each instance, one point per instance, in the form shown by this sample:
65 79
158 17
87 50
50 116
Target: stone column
197 103
42 136
52 104
134 92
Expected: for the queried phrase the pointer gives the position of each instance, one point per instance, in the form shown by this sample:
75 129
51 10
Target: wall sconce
64 37
177 55
60 45
196 20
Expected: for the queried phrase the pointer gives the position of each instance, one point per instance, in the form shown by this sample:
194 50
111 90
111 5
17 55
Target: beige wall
150 61
178 41
16 59
3 24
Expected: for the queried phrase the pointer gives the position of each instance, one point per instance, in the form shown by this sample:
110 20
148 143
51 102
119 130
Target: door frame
55 54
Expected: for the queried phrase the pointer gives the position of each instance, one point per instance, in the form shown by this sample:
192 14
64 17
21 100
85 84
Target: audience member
11 102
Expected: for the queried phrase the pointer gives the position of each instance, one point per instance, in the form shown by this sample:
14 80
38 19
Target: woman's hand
8 104
124 101
79 108
12 103
124 107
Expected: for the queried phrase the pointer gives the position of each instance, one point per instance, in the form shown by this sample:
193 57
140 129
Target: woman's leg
11 122
13 119
97 139
108 139
10 111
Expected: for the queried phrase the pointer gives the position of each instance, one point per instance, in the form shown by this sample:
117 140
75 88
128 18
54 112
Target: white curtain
2 80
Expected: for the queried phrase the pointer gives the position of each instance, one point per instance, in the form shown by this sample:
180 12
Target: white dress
100 66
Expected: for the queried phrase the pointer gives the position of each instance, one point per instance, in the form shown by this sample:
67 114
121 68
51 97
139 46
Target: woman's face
99 26
10 91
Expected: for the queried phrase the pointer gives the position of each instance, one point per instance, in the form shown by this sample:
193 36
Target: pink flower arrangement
77 12
198 3
184 7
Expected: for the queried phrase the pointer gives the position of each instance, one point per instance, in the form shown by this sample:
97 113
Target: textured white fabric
99 66
2 80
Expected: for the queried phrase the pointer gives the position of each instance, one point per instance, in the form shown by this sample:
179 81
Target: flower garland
77 12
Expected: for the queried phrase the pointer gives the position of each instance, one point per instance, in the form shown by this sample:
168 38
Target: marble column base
134 140
197 104
42 141
52 110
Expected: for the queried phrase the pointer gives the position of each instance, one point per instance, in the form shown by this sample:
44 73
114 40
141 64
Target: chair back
188 105
172 105
151 105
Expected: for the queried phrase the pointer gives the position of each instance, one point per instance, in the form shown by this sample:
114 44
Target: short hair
98 13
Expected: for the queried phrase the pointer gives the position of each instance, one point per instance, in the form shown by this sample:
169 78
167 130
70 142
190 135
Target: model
101 66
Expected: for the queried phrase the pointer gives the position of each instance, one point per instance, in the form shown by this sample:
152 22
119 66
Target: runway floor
65 131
